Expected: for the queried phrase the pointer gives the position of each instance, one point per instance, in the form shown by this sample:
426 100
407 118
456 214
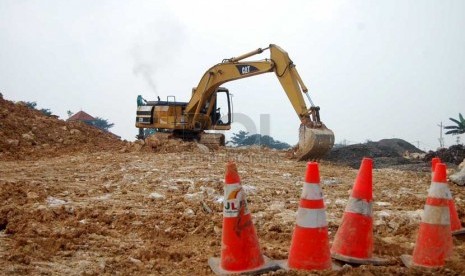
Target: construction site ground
115 212
76 200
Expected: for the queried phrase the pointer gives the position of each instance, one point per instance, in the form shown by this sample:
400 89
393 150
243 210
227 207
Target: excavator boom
315 140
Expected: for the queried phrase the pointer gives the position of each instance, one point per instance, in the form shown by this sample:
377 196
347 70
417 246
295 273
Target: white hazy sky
377 69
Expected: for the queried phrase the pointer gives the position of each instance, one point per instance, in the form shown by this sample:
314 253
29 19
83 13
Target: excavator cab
221 115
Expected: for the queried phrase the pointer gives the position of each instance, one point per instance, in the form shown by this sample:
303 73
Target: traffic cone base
458 232
284 265
353 260
269 265
352 224
407 260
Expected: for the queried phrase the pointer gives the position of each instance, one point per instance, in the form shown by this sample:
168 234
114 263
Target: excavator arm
216 76
233 69
315 139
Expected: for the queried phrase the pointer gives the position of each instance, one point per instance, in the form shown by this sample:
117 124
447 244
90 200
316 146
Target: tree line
243 138
100 123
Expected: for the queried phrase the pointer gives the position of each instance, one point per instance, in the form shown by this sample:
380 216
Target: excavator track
211 140
314 143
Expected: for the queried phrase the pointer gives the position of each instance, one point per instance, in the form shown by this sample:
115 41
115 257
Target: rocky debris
27 133
386 153
12 142
454 154
138 214
152 142
171 145
203 148
459 177
189 213
156 196
54 202
462 165
165 143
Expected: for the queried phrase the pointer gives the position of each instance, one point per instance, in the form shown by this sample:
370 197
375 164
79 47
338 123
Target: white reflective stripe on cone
312 192
436 215
359 206
439 190
311 218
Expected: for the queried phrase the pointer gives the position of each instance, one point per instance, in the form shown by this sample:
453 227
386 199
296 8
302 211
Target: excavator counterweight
191 120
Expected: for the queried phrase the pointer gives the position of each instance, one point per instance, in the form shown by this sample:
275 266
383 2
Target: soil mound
386 153
27 133
454 154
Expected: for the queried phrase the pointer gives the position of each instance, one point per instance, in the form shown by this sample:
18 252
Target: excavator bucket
212 140
314 143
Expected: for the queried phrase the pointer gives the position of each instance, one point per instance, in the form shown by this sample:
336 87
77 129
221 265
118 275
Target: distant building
82 116
86 118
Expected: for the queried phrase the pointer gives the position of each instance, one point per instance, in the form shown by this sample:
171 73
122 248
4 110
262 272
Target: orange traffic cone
455 224
353 242
310 243
240 251
434 241
434 161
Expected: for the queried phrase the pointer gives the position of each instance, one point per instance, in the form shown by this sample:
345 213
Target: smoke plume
156 48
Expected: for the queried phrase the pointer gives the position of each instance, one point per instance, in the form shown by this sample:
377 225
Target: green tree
250 140
33 105
237 138
457 129
244 139
101 123
46 111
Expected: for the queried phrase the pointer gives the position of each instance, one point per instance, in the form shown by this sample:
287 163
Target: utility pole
441 139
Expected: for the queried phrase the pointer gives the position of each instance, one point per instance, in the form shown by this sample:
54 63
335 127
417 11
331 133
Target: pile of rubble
459 177
454 154
173 145
386 153
27 133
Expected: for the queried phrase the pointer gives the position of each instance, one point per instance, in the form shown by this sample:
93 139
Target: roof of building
81 116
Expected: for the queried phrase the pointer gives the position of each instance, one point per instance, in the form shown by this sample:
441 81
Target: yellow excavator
190 120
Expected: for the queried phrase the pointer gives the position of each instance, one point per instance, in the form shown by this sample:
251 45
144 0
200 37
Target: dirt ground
138 212
77 200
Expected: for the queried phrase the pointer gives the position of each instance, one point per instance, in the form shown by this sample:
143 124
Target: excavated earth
387 153
121 208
